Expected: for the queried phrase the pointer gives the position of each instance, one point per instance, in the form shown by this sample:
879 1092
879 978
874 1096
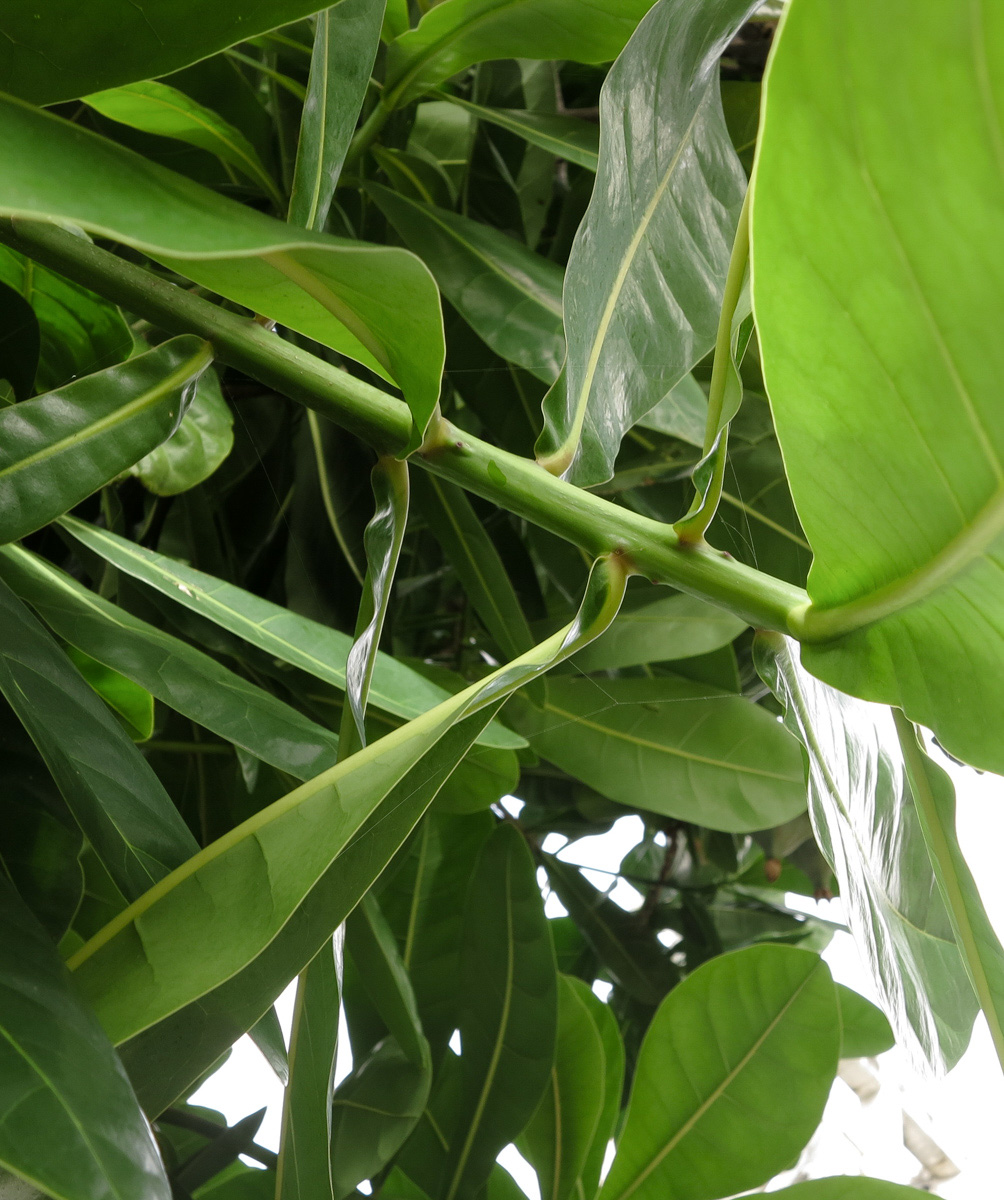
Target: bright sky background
962 1112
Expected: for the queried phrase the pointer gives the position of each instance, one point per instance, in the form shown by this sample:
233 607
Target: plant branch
520 485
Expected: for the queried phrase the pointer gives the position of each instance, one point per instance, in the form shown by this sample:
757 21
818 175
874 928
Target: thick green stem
517 484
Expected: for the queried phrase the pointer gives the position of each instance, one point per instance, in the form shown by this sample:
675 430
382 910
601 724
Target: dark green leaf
570 138
20 342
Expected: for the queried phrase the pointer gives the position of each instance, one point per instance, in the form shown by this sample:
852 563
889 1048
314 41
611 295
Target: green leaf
671 746
196 448
306 644
58 448
865 1029
133 703
561 1132
876 219
158 108
80 332
509 296
655 626
508 1010
176 673
481 780
681 413
978 944
304 1168
346 37
613 1090
847 1187
20 341
376 304
732 1077
114 796
866 823
241 890
570 138
455 34
472 554
75 50
634 329
71 1125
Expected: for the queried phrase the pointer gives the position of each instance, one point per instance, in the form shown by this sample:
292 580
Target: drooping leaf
346 37
306 644
651 257
178 674
866 823
865 1029
71 1125
732 1077
115 797
570 138
460 32
158 108
80 332
376 304
508 1010
20 341
671 746
77 50
509 296
884 245
60 447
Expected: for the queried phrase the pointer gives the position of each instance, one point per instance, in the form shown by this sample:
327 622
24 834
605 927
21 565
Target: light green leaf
243 889
978 944
346 37
655 626
847 1187
570 138
71 1125
181 676
865 1029
158 108
457 33
80 332
133 703
376 304
114 796
671 746
878 234
644 281
613 1090
306 644
508 1012
732 1077
58 448
481 780
509 296
196 448
866 823
76 50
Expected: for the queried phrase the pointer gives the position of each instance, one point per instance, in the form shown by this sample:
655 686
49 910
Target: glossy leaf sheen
732 1077
645 275
878 252
377 304
673 747
866 824
58 448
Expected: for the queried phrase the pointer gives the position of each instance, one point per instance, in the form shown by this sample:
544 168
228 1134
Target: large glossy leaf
508 1012
878 234
60 447
732 1077
570 138
866 824
158 108
376 304
934 798
77 50
671 746
346 38
509 296
183 677
645 276
114 796
457 33
241 890
297 640
80 332
69 1121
